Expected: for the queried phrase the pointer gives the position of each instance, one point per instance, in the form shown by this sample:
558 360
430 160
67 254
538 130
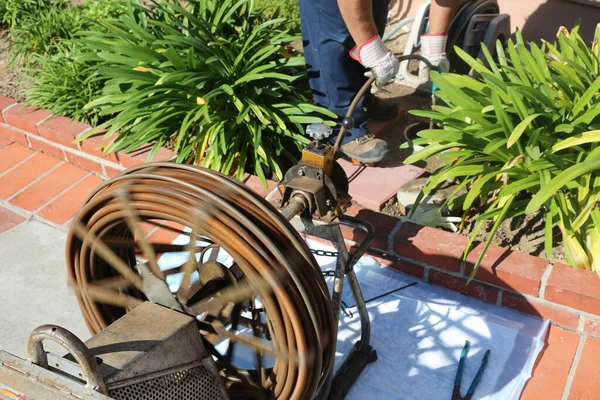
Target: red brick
25 118
474 289
165 236
12 155
383 224
591 327
13 134
94 146
5 102
48 187
9 219
140 156
112 172
511 270
576 288
254 183
275 198
586 385
62 130
373 187
147 227
552 367
5 142
400 265
47 148
429 245
64 207
84 162
542 309
25 174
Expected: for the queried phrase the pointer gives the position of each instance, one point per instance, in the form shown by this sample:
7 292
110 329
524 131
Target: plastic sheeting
419 333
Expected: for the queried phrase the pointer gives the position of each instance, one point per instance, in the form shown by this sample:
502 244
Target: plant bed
522 140
524 234
10 78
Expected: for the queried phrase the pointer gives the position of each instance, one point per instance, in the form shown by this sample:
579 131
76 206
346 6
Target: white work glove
433 48
377 57
433 218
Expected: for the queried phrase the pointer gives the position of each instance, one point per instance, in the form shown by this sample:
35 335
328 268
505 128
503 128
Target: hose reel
269 296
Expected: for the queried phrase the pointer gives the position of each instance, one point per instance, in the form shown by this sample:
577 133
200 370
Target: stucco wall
536 18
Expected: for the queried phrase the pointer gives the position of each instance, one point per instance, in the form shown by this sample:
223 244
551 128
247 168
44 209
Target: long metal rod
338 288
295 207
365 322
365 244
363 90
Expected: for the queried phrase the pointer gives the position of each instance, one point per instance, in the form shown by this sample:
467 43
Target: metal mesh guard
194 383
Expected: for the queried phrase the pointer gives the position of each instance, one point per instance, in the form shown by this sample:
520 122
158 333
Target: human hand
376 56
433 49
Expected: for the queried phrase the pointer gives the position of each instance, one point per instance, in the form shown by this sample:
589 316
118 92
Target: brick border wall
533 285
54 135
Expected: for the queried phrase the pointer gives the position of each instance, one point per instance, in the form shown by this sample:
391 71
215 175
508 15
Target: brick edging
40 130
533 285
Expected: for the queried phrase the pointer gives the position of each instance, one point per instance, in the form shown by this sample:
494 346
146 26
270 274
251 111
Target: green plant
2 14
15 11
64 84
99 10
271 9
524 139
59 81
43 25
208 79
41 33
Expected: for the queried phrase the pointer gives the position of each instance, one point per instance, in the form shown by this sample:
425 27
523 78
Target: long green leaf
519 129
491 234
585 137
560 181
586 97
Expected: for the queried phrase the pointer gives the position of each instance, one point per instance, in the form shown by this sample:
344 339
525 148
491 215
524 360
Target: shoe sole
368 161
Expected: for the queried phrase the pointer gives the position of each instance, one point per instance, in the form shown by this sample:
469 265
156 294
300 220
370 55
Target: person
433 44
342 40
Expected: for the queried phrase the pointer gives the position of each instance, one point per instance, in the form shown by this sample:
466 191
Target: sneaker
366 149
378 109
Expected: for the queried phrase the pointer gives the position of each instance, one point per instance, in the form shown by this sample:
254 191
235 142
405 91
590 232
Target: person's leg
377 109
334 77
441 13
380 14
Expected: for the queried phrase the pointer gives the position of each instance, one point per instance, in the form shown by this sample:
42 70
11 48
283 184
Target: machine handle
75 347
366 227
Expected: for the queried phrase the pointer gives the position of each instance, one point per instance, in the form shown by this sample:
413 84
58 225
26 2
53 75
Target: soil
525 234
10 78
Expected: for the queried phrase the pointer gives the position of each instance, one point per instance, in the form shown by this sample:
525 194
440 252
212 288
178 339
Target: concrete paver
49 186
34 285
12 155
26 173
373 187
64 207
585 384
552 367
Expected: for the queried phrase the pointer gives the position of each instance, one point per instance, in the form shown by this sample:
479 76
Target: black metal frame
337 386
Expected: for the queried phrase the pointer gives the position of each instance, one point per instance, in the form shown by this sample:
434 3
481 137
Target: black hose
363 90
